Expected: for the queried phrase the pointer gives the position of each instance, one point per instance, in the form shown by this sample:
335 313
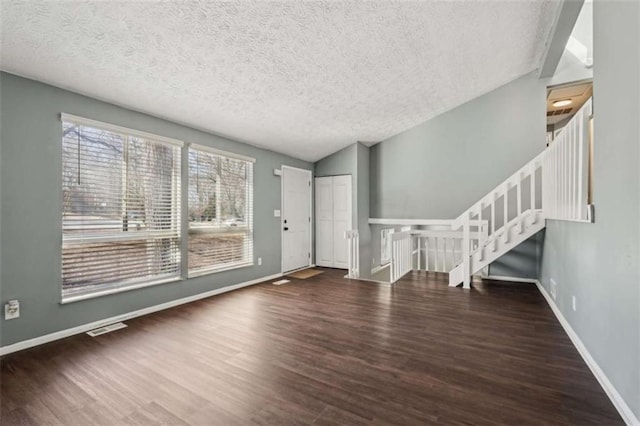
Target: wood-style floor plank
320 351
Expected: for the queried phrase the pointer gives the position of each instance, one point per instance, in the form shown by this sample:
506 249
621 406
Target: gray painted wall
599 263
570 69
363 196
31 203
441 167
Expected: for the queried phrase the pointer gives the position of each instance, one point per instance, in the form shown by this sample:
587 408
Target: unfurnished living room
320 212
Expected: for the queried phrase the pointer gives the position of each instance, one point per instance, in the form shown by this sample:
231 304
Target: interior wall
570 69
363 196
599 263
441 167
31 205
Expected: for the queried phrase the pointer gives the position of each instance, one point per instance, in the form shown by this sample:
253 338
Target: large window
220 210
121 208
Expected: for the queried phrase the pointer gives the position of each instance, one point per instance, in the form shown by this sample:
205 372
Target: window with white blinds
220 210
121 208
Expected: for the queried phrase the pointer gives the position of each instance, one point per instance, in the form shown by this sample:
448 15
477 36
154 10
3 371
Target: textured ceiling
301 78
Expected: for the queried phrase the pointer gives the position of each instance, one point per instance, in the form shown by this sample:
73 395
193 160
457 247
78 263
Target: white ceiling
301 78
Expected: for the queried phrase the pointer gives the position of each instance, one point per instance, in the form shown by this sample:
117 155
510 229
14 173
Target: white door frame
311 213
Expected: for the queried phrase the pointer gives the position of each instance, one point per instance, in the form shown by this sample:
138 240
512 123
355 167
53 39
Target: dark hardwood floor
319 351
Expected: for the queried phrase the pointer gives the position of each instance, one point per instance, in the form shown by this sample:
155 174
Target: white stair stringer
514 233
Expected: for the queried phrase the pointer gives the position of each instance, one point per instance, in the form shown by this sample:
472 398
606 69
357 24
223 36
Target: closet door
341 219
324 221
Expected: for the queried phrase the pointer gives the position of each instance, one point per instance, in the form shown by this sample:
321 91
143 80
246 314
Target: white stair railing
353 252
442 249
401 255
495 207
566 169
557 183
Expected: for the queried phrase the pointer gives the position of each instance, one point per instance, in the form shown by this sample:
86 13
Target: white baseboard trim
29 343
512 279
622 407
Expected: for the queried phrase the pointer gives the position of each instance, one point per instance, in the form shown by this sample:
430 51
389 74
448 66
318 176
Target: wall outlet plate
12 310
276 213
553 288
259 261
573 303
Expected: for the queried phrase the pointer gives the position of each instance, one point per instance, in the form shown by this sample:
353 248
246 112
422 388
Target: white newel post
466 261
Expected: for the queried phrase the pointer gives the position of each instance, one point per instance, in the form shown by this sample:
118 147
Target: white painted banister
565 173
442 249
489 200
353 252
562 173
502 231
437 243
553 185
401 255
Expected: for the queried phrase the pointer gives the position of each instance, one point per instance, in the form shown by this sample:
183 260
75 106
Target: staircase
512 213
554 185
529 224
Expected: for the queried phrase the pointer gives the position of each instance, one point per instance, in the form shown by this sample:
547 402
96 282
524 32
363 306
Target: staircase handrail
499 190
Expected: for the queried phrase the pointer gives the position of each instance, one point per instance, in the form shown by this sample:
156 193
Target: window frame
104 289
249 198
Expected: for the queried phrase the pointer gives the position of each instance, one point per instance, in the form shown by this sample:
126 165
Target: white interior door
341 219
324 221
296 218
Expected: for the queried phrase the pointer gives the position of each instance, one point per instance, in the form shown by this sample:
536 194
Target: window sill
208 271
99 293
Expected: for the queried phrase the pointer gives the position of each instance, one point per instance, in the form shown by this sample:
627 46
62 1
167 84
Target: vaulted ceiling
301 78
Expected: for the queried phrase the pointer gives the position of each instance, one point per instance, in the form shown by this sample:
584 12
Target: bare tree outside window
220 211
121 211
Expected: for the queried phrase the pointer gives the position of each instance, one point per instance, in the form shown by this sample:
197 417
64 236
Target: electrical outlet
259 261
573 303
553 288
12 310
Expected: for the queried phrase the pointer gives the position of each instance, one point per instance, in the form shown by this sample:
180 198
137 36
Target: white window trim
117 289
228 266
221 268
221 152
73 240
81 121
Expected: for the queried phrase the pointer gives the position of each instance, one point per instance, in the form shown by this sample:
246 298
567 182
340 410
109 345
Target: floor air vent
280 282
106 329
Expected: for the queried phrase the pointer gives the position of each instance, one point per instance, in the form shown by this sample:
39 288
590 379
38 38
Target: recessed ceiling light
562 103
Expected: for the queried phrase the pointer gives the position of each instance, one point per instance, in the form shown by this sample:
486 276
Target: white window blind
121 208
220 210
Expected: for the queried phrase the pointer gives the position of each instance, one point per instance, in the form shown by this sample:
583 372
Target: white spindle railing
401 255
353 251
563 172
557 184
489 205
566 170
442 249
